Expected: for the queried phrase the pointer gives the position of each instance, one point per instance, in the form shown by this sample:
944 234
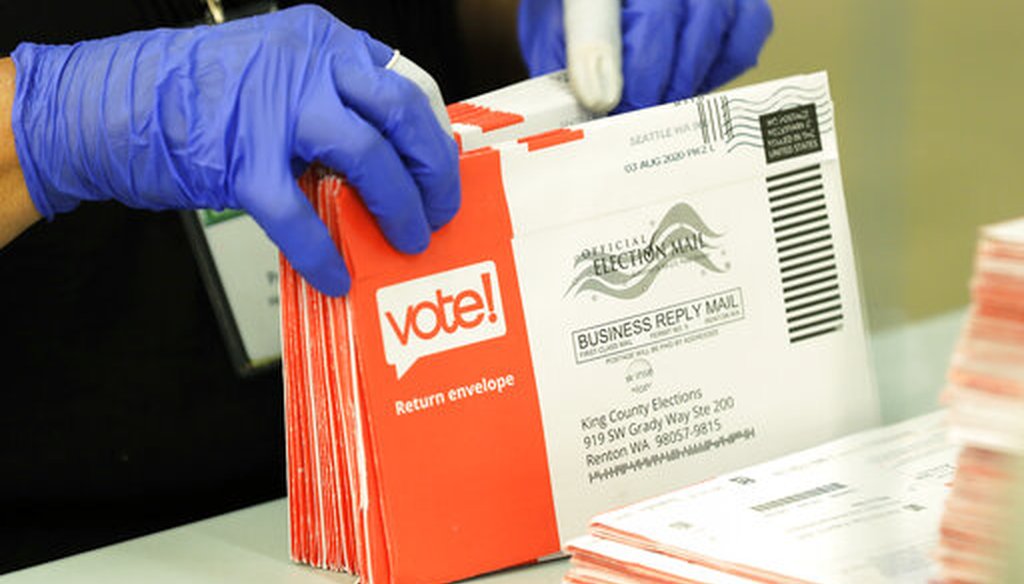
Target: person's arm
16 209
226 117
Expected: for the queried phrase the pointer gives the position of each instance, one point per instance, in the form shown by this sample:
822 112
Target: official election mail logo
440 312
626 267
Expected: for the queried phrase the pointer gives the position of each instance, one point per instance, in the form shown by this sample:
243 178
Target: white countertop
251 545
248 546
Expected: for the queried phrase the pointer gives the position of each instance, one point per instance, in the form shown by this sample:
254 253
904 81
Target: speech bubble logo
439 312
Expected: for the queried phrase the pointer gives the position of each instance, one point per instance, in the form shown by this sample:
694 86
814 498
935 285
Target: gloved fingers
541 35
341 139
439 183
701 39
650 33
400 112
380 53
273 199
408 69
750 29
593 45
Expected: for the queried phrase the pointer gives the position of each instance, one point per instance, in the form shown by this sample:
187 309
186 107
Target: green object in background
1013 569
210 217
927 114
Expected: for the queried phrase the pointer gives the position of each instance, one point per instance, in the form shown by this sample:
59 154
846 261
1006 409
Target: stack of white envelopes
861 509
985 396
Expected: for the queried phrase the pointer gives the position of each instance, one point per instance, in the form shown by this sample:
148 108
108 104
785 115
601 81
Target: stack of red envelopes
985 395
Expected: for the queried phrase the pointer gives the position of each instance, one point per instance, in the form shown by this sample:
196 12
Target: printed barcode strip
726 118
807 259
816 333
810 262
801 285
718 118
798 497
787 174
790 204
702 115
805 315
812 272
811 293
795 234
792 246
784 260
801 223
798 213
820 321
788 194
799 181
815 302
715 119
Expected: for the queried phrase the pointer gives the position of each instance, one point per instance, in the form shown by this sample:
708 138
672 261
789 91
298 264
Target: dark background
120 413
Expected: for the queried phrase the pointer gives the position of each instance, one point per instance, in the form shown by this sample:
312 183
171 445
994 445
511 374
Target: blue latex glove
226 117
671 49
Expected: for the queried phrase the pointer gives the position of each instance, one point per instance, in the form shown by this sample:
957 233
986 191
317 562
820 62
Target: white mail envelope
620 308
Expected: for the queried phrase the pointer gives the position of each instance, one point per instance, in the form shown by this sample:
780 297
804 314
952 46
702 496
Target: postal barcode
798 497
807 259
715 118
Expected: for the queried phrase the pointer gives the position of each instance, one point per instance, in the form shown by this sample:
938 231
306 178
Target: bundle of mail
863 509
985 396
621 307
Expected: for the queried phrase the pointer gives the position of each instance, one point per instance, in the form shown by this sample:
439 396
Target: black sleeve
62 21
121 413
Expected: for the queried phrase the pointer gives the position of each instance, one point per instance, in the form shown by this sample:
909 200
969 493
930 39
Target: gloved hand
670 49
226 117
